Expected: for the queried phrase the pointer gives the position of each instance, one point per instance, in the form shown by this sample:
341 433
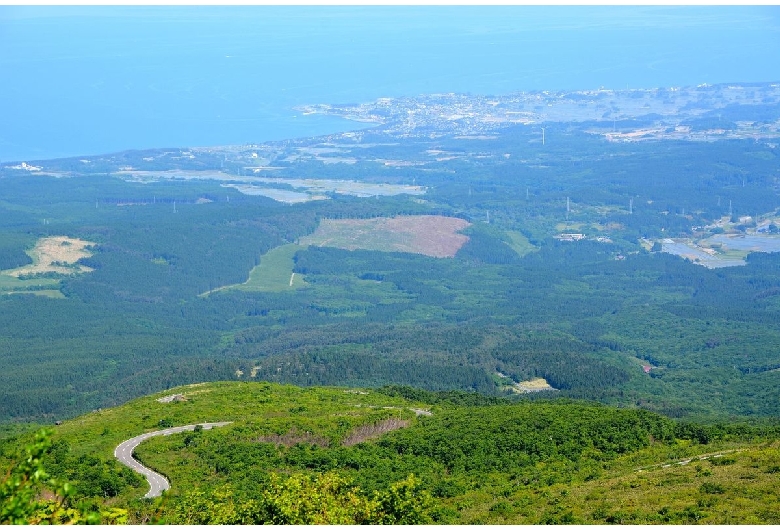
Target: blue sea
79 81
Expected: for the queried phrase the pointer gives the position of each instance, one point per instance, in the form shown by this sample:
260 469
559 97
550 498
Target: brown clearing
358 435
369 432
533 385
431 235
55 254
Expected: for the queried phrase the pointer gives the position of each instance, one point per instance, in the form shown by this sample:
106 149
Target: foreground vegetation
401 455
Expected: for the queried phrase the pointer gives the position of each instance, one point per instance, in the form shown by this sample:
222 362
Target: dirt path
688 460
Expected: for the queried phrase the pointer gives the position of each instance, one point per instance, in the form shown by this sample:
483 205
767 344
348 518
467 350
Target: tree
29 496
303 499
404 503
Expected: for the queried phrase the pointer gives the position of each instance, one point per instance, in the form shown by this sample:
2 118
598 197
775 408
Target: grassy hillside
467 458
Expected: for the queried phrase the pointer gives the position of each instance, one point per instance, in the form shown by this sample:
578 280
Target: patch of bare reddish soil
432 235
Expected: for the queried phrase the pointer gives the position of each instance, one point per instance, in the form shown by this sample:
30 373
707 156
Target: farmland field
430 235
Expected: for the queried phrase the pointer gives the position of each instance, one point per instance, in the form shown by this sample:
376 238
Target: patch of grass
275 271
273 274
11 285
58 254
519 243
569 227
733 254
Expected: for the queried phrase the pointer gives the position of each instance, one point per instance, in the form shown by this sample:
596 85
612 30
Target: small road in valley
157 482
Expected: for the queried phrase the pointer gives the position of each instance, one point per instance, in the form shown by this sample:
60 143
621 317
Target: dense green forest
402 455
513 304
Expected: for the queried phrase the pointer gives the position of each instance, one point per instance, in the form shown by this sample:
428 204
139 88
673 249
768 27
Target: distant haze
88 80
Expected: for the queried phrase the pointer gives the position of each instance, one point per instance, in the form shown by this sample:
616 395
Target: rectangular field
431 235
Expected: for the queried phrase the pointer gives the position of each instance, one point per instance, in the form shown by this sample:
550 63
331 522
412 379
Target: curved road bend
157 482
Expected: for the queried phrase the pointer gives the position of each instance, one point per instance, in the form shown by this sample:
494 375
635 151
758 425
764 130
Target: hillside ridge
474 459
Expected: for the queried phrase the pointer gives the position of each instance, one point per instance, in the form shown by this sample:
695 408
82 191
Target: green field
11 285
274 273
520 243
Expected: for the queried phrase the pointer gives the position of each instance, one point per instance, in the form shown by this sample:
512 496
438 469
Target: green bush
712 487
22 493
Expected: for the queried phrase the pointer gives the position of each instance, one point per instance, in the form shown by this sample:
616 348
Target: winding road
157 482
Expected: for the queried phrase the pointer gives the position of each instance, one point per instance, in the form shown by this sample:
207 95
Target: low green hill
398 454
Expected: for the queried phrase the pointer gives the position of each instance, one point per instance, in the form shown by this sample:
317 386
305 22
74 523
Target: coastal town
699 113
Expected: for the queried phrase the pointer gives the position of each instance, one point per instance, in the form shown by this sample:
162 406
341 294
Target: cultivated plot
430 235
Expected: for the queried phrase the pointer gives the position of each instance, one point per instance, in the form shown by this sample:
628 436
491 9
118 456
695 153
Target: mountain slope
466 457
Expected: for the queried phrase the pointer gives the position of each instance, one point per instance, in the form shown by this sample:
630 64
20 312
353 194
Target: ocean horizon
81 81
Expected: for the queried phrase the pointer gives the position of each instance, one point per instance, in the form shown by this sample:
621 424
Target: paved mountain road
157 482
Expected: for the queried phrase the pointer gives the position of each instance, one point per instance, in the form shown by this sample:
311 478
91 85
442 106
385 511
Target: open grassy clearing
520 243
536 384
732 254
11 284
431 235
569 226
57 255
273 274
532 385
